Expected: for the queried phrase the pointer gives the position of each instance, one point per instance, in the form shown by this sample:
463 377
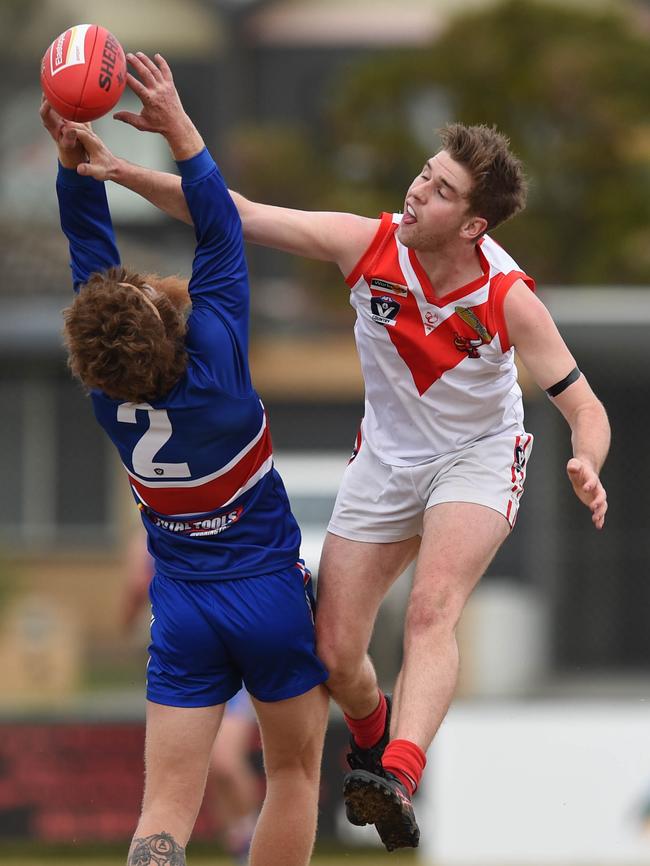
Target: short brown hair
116 342
499 184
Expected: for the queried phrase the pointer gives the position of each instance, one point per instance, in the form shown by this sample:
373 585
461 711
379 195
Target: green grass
343 859
36 855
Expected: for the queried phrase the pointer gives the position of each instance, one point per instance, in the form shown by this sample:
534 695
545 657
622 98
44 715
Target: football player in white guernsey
440 310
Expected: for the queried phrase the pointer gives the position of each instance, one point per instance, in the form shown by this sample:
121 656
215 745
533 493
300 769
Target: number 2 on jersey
150 443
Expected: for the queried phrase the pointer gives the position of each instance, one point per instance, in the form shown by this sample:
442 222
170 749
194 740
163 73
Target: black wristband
563 384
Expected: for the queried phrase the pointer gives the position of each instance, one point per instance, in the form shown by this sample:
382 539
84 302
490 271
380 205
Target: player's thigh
178 744
460 540
293 732
353 579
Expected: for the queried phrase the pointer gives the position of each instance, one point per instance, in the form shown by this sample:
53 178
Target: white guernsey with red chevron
447 367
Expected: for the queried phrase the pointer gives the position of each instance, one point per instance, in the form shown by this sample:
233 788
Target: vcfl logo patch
384 310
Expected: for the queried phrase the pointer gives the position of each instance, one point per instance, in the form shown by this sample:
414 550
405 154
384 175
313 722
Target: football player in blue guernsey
231 603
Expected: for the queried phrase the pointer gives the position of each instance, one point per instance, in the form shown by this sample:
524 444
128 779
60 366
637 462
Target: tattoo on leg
160 849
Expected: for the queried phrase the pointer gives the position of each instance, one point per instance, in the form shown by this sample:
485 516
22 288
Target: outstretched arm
545 355
161 188
328 236
335 237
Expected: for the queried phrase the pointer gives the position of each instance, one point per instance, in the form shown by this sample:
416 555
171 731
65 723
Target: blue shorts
209 636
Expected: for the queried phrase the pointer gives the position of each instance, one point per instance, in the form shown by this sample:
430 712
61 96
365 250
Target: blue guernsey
199 460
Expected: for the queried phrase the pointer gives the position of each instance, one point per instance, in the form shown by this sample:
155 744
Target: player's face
435 207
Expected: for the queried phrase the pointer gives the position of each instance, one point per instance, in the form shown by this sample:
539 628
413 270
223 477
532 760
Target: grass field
30 856
203 860
203 855
378 859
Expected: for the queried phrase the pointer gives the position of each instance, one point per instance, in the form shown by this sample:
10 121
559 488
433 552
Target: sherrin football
83 72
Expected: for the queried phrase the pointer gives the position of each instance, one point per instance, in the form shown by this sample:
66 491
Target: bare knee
299 763
433 611
293 732
340 667
342 660
298 756
170 811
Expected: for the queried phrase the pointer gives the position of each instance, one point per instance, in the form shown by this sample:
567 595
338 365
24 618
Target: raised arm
83 207
337 237
219 275
545 355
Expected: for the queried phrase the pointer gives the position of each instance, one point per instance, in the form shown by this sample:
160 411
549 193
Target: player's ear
473 228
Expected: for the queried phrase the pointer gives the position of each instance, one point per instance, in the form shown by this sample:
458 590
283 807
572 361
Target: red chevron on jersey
428 348
203 495
430 355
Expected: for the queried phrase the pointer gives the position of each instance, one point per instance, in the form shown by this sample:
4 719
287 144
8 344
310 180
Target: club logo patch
466 344
468 315
431 321
384 310
386 286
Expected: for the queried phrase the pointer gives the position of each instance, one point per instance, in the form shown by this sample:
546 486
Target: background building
326 104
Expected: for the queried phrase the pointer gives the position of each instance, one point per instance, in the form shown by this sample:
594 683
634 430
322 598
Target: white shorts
381 503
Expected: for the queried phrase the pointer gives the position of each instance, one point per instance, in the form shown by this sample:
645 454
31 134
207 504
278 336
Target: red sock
367 732
405 761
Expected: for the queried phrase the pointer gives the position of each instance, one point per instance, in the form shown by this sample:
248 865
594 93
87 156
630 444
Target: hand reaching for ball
162 110
71 150
161 105
101 164
79 147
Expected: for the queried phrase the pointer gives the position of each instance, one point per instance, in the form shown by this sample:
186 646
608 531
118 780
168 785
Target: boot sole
369 801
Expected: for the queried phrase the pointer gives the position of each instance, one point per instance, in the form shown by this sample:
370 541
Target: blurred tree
570 88
285 165
14 16
568 85
277 163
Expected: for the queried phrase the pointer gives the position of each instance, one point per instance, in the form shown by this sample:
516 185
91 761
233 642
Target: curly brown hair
117 344
499 184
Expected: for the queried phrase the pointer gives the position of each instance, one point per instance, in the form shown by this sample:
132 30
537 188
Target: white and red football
83 72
